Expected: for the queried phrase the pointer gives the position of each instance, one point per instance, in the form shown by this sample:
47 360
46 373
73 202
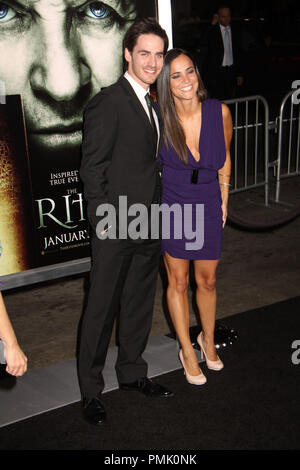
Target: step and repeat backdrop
55 56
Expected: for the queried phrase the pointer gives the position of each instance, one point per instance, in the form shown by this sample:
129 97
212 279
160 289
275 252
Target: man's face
224 16
146 59
57 54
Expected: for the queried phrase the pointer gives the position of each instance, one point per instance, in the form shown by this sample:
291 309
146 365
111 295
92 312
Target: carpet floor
252 404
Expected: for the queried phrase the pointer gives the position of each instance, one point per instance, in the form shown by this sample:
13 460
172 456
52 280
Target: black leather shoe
93 411
147 387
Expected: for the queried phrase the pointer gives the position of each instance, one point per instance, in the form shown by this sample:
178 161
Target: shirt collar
223 28
139 90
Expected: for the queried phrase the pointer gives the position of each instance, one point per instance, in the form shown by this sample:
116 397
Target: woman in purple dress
195 157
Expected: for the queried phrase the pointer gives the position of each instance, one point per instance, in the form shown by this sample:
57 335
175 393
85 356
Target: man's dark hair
223 6
144 26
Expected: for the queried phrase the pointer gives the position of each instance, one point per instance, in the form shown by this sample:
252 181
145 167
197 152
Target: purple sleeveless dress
194 230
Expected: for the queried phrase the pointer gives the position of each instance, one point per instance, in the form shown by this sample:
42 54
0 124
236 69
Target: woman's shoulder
212 109
215 105
212 103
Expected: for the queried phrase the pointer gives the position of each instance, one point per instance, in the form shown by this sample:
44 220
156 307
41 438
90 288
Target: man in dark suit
222 72
120 144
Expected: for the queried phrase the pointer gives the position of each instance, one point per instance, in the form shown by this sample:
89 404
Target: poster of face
55 56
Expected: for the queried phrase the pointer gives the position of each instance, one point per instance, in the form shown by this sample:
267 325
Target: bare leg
206 298
177 297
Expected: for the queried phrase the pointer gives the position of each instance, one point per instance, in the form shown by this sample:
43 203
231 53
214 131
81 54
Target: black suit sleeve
99 134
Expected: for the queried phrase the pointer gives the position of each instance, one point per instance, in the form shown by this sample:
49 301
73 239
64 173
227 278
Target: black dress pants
123 279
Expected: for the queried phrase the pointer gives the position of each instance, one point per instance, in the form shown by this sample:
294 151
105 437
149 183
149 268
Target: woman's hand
224 172
224 213
15 359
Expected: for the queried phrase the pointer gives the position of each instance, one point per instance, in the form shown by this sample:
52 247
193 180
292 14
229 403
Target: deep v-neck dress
192 229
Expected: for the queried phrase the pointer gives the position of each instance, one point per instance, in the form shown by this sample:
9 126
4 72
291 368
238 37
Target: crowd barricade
288 144
250 144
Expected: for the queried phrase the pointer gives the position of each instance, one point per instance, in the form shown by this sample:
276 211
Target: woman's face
183 78
57 54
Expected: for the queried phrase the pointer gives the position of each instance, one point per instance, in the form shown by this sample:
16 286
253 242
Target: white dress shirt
226 60
141 93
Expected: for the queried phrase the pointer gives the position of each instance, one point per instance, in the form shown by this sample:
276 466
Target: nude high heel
213 365
192 379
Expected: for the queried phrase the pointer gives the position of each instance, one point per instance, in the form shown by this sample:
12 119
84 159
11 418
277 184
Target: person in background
222 74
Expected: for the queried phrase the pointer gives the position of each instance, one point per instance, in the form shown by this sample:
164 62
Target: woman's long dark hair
173 132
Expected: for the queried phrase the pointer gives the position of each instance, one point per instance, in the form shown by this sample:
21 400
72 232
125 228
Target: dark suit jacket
118 150
215 52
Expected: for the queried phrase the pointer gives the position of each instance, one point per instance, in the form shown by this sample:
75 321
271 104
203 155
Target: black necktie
150 107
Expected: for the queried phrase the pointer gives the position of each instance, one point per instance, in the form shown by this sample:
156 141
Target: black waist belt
194 177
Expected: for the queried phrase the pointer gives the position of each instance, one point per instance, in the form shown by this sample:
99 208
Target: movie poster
55 56
16 203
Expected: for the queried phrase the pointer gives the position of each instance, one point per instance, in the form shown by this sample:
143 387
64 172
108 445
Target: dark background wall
284 15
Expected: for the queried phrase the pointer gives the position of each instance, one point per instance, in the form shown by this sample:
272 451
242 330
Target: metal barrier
251 170
287 163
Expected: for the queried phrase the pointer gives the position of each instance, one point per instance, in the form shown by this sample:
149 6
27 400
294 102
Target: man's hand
215 19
